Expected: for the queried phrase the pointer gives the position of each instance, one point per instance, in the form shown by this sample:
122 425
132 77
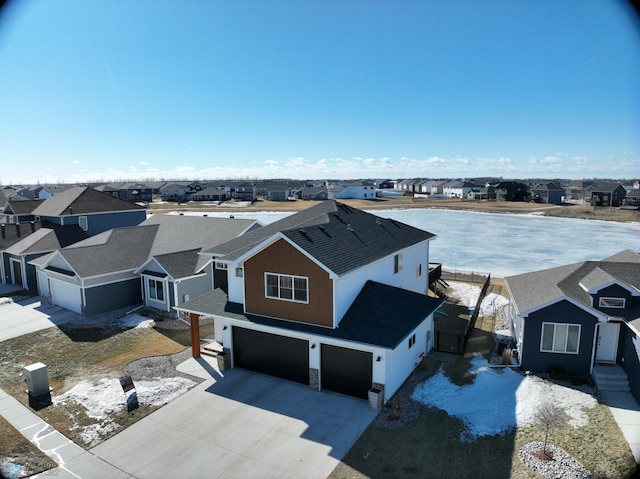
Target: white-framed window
239 272
419 270
220 265
156 289
560 338
612 302
412 341
286 287
83 222
397 263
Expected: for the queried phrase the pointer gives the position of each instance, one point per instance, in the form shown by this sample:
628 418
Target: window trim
222 266
293 287
397 263
568 325
606 298
155 289
85 220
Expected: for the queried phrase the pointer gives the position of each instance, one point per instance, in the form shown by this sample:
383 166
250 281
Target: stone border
562 465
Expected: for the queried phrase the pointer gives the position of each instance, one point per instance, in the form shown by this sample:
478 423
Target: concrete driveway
29 315
241 425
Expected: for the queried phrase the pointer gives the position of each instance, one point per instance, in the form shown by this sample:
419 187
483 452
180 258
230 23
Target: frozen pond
504 244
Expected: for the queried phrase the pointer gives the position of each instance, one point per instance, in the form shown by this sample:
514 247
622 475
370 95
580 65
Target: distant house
608 194
18 209
134 192
279 192
314 193
109 190
175 192
632 198
385 184
352 190
210 194
326 320
548 193
485 193
576 317
246 192
512 191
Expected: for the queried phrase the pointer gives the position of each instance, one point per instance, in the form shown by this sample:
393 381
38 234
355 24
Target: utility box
37 379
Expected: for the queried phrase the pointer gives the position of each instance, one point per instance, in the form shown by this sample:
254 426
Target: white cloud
144 163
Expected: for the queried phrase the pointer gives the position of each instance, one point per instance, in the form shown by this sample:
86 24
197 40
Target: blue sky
113 90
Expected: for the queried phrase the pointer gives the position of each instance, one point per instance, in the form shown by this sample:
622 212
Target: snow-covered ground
134 320
500 399
468 295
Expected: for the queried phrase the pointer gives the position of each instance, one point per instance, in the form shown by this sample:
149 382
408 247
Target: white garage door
66 295
43 284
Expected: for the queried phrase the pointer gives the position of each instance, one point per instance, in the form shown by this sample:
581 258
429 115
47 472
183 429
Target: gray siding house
577 317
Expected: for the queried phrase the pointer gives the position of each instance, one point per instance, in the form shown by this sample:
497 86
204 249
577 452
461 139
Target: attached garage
266 353
66 295
346 371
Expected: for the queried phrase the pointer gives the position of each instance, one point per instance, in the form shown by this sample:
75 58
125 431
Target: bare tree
549 416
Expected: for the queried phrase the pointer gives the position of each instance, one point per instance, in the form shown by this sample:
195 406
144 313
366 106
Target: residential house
512 191
437 188
632 198
608 194
175 192
423 187
352 190
109 190
278 191
18 209
314 298
384 184
404 185
314 193
210 194
548 193
156 263
575 317
485 193
458 189
134 192
246 192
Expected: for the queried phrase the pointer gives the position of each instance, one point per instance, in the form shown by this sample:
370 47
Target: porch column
195 335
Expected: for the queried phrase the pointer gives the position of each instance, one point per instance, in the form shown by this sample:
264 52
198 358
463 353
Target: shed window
83 222
412 341
560 338
286 287
612 302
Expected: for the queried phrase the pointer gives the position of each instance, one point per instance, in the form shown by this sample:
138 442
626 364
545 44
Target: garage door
286 358
66 295
345 371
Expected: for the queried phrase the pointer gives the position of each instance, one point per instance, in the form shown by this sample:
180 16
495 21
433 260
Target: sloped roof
48 239
372 319
180 264
530 291
124 249
606 187
338 236
18 205
82 200
209 192
10 235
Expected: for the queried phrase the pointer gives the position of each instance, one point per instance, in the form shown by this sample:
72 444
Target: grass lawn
431 447
14 448
74 354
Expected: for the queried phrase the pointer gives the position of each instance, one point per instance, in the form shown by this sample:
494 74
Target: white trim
293 287
555 325
606 298
601 317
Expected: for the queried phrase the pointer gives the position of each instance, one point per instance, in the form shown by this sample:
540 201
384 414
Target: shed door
280 356
66 295
346 371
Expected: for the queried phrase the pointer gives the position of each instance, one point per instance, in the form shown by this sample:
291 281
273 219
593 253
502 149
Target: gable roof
44 240
125 249
17 205
329 228
82 200
15 233
531 291
372 318
180 264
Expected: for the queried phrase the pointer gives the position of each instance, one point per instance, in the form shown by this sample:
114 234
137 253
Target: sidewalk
626 412
73 461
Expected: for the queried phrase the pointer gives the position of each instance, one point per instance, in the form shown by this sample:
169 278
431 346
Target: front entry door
17 272
607 342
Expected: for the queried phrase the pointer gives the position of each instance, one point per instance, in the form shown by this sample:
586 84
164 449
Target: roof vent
231 216
378 221
303 232
349 228
322 228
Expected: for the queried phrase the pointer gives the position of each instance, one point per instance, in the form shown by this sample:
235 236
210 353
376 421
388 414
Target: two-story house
576 317
332 297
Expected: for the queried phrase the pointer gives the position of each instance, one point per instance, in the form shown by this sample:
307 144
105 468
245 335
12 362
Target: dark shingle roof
372 318
20 206
338 236
48 239
82 200
532 290
180 264
10 236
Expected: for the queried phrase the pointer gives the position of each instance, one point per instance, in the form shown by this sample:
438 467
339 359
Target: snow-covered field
500 399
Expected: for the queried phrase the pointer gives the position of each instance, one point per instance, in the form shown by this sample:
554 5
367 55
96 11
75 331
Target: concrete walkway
626 412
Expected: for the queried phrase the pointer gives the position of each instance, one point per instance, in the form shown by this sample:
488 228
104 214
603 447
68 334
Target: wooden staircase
610 378
210 347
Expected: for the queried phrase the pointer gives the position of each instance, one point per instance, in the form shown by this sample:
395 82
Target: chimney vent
18 229
33 227
3 233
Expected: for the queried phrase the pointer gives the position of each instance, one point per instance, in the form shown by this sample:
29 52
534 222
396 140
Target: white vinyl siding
560 338
397 263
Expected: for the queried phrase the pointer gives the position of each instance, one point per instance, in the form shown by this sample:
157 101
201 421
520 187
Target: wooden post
195 335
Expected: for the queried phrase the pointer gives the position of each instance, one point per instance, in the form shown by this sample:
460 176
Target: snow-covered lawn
135 320
500 399
106 397
468 295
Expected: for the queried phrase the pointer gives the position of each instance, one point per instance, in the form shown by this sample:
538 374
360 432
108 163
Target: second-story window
397 263
611 302
287 287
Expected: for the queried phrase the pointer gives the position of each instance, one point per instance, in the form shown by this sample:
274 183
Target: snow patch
500 399
468 295
5 300
135 320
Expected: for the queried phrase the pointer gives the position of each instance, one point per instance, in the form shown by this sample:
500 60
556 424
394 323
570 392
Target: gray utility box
37 379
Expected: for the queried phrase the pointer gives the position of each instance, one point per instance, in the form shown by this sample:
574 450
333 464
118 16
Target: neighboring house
24 242
404 185
512 191
485 193
578 316
423 187
331 297
437 188
110 190
384 184
156 263
632 198
608 195
92 210
134 192
210 194
278 192
314 193
549 193
175 192
18 209
246 192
